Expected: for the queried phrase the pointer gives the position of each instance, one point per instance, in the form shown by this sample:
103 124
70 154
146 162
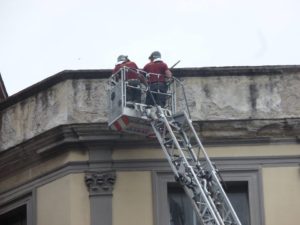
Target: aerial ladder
172 126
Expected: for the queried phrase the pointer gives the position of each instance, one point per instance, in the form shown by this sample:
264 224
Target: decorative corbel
100 182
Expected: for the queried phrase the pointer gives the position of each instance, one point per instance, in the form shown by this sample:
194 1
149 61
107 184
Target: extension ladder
193 168
181 145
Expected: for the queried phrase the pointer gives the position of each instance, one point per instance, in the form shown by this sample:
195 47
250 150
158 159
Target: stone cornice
80 96
83 136
211 132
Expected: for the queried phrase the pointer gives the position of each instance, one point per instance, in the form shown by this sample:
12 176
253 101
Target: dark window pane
237 193
14 217
181 210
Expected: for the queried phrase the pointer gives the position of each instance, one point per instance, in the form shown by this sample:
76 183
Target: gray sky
40 38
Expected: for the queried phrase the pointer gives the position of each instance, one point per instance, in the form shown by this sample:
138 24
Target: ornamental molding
100 182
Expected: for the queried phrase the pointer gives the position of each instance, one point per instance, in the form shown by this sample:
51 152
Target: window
243 188
17 212
237 192
182 213
14 217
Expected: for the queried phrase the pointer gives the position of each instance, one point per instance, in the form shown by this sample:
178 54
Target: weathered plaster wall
243 97
34 115
87 101
235 97
72 101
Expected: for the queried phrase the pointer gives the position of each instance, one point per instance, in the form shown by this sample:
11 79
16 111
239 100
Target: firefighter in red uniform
133 91
158 74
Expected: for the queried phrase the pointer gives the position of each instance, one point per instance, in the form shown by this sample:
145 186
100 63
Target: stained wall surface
209 98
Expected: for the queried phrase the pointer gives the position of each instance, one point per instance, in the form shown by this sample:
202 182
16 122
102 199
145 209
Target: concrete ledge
96 135
214 94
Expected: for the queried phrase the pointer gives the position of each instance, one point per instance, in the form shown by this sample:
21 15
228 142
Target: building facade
61 165
3 92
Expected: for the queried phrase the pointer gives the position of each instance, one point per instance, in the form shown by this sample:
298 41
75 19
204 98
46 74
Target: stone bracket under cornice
100 182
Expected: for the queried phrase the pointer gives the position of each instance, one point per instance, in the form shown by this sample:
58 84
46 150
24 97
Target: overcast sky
40 38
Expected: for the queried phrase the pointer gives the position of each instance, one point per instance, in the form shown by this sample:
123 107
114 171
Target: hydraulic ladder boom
180 143
193 168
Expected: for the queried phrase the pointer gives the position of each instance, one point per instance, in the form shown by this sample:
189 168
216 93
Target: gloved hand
169 80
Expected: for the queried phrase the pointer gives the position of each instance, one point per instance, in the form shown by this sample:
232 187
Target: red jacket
129 74
158 67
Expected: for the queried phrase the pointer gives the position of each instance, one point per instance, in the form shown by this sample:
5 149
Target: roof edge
53 80
178 72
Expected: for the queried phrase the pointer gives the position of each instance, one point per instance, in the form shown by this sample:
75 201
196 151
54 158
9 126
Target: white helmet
122 58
